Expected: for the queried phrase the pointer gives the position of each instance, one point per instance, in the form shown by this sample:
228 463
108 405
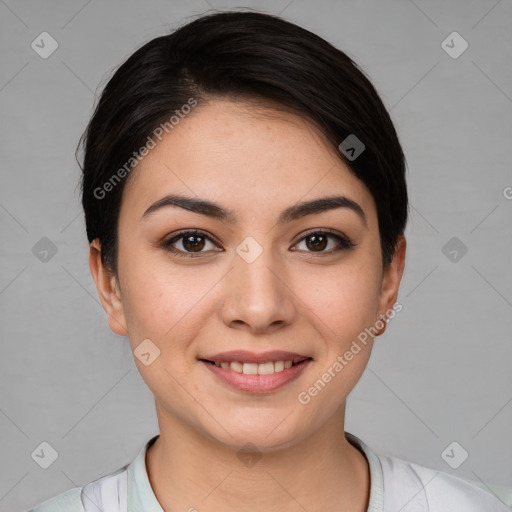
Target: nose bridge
257 295
258 267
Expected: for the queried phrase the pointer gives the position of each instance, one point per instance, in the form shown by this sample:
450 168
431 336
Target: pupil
189 244
318 241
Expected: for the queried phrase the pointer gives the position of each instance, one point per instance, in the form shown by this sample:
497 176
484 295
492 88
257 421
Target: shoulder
107 493
410 486
68 501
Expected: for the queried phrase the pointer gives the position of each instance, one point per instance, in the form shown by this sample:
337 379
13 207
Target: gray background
441 373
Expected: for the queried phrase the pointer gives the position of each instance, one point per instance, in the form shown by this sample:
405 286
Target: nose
258 296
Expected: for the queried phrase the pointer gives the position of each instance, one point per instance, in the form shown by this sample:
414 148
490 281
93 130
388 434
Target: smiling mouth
267 368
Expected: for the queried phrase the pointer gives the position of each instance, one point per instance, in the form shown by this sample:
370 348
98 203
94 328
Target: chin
267 435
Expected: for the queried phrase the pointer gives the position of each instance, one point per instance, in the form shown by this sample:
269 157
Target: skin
255 161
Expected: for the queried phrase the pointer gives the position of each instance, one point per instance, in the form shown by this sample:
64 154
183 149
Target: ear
108 290
391 278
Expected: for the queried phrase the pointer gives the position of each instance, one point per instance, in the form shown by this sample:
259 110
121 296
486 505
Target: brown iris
193 243
316 242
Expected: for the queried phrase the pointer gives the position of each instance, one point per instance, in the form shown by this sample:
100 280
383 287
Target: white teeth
279 366
236 366
250 368
254 368
266 368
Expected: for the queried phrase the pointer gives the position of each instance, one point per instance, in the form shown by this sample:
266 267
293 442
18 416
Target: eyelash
343 242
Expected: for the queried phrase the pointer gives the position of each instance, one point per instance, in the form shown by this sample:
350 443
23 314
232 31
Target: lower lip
258 383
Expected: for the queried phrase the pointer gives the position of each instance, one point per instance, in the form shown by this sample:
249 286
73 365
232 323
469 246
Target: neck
323 472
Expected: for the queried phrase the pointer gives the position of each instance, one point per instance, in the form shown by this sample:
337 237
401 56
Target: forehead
250 156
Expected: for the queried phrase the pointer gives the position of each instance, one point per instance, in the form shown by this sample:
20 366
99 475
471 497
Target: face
257 273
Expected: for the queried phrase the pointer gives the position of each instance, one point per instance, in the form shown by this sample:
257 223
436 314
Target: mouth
256 373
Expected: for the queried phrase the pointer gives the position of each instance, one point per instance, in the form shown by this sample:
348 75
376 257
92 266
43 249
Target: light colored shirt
396 485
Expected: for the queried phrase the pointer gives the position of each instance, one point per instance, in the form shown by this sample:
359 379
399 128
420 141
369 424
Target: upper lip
244 356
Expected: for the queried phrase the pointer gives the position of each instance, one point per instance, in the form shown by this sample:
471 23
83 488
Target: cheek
343 298
161 299
342 305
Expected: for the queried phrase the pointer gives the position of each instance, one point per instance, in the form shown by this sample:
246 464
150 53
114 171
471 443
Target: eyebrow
214 210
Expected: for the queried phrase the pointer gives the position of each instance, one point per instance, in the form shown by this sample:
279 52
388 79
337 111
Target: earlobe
391 282
108 290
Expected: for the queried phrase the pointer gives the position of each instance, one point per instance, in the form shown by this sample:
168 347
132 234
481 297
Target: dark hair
247 55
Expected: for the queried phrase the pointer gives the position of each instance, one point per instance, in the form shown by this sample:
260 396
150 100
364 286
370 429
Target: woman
245 201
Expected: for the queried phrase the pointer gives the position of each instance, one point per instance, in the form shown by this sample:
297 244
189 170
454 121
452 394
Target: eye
190 244
318 241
